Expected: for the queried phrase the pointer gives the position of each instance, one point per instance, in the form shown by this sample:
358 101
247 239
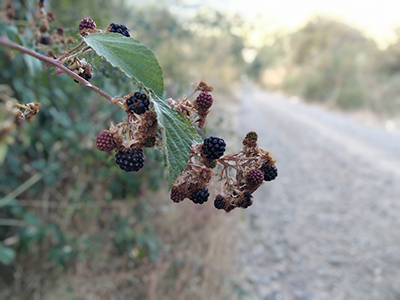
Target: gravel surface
329 226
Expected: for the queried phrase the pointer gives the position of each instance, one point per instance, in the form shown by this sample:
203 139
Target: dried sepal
30 110
202 86
183 107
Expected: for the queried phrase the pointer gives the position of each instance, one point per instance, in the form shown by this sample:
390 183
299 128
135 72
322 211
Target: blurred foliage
63 204
190 49
330 62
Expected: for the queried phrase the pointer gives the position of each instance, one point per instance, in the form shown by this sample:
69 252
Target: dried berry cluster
81 68
253 166
242 172
192 184
128 138
198 109
46 36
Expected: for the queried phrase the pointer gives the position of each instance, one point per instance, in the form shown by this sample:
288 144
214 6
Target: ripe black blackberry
105 141
45 40
138 103
131 160
255 177
87 23
204 100
119 28
245 200
213 147
270 172
176 195
200 196
247 197
219 202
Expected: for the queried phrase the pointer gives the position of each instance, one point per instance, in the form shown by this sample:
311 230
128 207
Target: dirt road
329 226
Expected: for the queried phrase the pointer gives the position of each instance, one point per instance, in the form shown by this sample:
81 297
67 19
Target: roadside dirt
329 226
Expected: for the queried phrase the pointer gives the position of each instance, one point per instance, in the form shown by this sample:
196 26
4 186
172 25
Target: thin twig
12 222
86 49
23 187
61 58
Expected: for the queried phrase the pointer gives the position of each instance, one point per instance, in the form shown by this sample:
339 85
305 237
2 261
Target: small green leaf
131 56
7 255
178 136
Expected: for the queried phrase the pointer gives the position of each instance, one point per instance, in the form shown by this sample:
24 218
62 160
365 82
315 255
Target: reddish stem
59 66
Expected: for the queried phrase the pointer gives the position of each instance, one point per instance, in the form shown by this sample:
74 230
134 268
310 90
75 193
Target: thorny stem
58 65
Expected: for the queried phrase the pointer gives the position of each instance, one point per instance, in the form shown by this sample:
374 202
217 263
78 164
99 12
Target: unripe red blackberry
200 196
87 23
255 177
270 172
119 28
219 202
131 160
204 100
105 141
213 147
176 195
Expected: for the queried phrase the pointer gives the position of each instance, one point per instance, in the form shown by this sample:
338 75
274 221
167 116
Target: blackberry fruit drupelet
200 196
45 40
247 198
131 160
255 177
213 147
176 195
119 28
204 100
270 172
87 23
219 203
138 103
105 141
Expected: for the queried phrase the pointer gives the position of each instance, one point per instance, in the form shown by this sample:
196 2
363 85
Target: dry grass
196 246
194 262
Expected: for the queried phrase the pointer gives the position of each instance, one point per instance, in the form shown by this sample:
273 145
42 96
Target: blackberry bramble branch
149 121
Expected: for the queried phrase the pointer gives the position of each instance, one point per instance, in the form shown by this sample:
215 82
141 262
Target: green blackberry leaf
131 56
7 255
178 136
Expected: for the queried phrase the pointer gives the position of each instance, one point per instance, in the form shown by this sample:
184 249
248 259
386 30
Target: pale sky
376 18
